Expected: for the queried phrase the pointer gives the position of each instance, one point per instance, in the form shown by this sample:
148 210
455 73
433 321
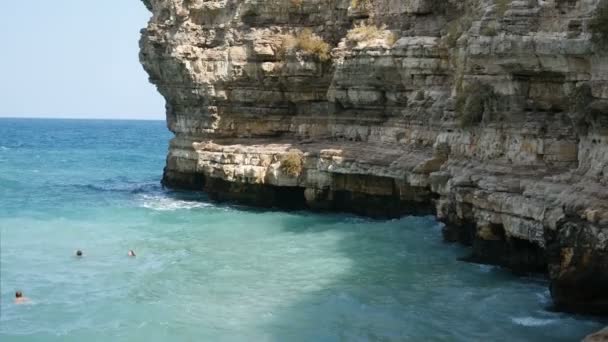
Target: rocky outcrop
493 114
600 336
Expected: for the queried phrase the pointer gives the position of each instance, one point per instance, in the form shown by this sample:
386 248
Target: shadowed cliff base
290 198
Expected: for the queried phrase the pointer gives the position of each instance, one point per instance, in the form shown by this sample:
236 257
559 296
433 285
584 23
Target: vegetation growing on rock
599 25
359 3
489 30
292 164
455 29
473 103
502 6
581 113
580 98
307 42
369 33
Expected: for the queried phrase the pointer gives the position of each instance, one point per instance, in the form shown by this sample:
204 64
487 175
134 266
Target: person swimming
131 253
20 299
79 253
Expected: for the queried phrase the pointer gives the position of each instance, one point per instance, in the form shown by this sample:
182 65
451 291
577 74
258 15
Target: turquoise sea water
211 272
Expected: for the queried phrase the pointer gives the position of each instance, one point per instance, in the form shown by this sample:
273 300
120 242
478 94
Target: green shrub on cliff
501 7
292 164
462 17
455 29
580 100
368 33
472 103
308 42
489 30
359 3
599 25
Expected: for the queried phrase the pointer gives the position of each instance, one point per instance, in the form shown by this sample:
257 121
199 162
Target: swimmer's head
131 253
18 294
79 253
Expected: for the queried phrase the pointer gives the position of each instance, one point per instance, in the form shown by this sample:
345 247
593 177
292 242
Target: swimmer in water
79 253
131 253
20 299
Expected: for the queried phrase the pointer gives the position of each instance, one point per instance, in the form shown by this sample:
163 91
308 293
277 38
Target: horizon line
79 118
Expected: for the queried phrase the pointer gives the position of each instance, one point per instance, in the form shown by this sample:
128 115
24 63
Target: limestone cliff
493 114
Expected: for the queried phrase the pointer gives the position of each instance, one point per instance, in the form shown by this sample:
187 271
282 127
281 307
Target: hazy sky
74 58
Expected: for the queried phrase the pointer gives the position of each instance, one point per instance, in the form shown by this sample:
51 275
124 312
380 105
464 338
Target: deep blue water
209 272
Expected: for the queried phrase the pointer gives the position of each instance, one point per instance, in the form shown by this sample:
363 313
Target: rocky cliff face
493 114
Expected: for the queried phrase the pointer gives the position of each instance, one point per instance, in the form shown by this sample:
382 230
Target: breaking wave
164 202
532 321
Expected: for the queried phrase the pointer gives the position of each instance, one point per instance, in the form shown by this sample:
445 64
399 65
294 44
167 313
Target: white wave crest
164 203
532 322
486 268
544 297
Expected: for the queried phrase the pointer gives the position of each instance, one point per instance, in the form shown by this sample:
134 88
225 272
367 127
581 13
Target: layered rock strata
492 114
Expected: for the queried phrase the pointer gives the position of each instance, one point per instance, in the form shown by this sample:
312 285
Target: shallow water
210 272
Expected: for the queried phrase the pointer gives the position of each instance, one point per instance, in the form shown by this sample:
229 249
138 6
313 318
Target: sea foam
532 321
165 203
